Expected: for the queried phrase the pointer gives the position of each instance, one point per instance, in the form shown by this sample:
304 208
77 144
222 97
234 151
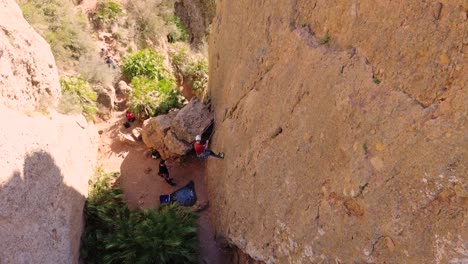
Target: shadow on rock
40 216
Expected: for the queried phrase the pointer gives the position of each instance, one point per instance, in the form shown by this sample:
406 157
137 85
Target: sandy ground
142 186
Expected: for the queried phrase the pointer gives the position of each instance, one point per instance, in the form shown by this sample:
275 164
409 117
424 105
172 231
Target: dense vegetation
153 20
64 28
77 97
107 12
191 70
116 234
154 88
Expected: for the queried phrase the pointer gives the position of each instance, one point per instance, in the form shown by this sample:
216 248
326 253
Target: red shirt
199 148
129 116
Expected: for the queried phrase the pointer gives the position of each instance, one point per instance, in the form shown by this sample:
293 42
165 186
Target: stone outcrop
346 148
45 165
191 120
46 161
28 75
172 134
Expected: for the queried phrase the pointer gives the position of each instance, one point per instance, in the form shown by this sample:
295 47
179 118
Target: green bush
191 70
115 234
63 27
107 12
177 31
146 63
77 96
198 72
149 19
151 97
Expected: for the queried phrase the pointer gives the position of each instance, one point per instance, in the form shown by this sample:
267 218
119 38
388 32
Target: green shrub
151 97
150 18
198 72
107 12
177 31
63 27
146 63
191 70
115 234
77 96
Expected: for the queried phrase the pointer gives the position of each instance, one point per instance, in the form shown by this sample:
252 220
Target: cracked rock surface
373 150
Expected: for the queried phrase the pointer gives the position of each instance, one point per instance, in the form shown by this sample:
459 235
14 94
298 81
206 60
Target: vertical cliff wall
45 161
341 147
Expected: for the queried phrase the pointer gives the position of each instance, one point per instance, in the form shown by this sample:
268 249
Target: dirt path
142 186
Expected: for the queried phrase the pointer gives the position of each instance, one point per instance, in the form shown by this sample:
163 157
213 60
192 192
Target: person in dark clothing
164 173
155 154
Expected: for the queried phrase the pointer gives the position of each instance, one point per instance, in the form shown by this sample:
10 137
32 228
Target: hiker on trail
164 173
103 53
110 62
203 151
130 119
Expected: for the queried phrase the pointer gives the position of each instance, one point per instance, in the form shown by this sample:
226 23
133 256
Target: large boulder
173 133
156 134
123 88
106 97
192 120
175 146
154 131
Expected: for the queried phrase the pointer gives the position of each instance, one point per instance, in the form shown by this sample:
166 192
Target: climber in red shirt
203 151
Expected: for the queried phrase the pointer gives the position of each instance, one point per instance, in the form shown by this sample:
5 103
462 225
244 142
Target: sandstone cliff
346 147
45 161
28 75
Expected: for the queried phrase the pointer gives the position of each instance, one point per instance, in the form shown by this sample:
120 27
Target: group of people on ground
201 150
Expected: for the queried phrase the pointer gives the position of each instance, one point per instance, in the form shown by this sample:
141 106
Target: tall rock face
28 75
343 147
46 161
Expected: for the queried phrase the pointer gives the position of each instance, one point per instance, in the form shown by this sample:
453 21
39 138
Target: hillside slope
341 148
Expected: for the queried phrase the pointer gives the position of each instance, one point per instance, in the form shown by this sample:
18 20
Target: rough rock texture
45 162
191 120
28 75
172 134
322 164
197 16
123 87
154 133
45 165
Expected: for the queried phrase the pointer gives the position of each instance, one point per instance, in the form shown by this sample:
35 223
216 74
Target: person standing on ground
164 173
203 151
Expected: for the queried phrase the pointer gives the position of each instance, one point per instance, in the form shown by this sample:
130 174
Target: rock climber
164 173
203 151
130 119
